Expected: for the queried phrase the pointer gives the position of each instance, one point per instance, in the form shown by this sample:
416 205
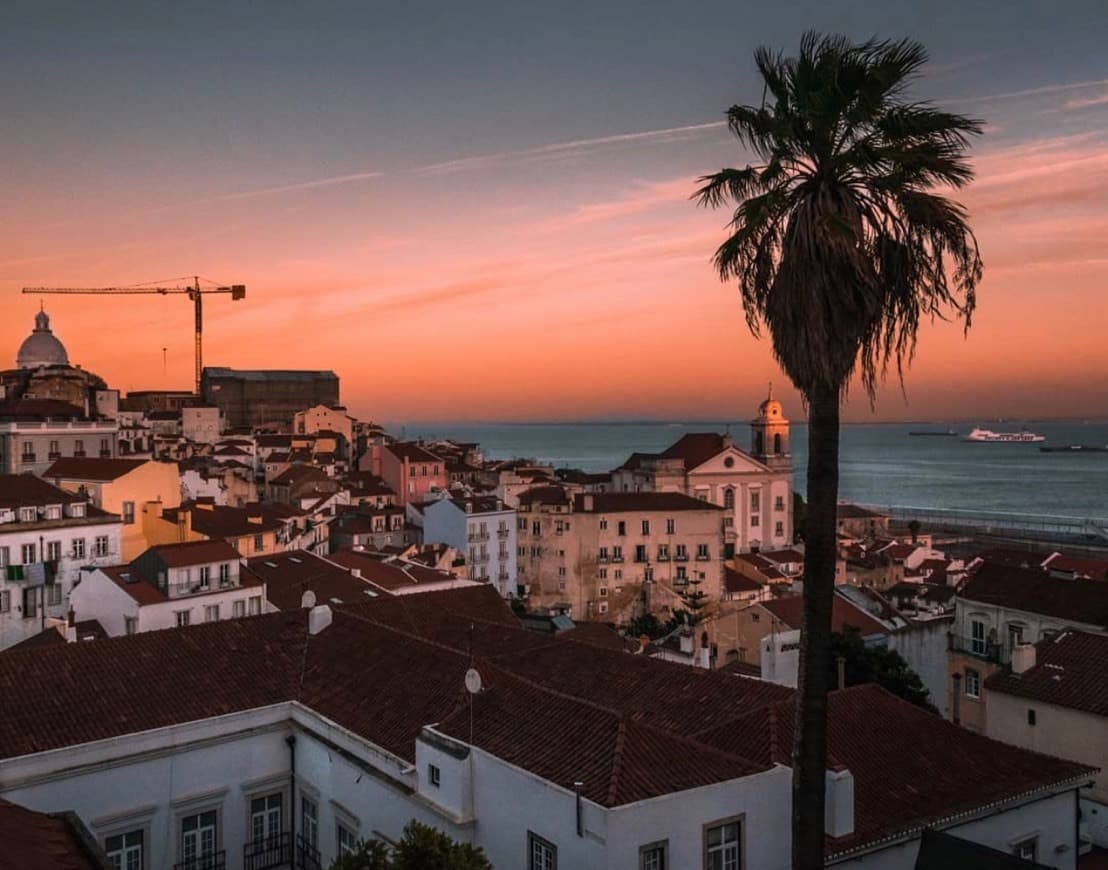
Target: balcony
681 557
477 536
213 861
617 558
502 534
273 851
703 557
54 454
105 454
663 557
80 454
27 457
985 650
307 855
602 557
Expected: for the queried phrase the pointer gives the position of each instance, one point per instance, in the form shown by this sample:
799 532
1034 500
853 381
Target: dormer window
54 512
28 514
77 510
224 574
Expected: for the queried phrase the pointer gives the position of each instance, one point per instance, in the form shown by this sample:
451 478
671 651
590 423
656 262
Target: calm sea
881 464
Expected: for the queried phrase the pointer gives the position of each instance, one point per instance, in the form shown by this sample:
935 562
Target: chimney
1023 657
956 704
319 618
687 641
704 657
644 642
70 626
356 572
307 600
838 817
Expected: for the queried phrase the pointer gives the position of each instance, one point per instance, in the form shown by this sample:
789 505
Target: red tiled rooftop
92 468
195 553
1033 590
844 615
636 502
1068 672
44 841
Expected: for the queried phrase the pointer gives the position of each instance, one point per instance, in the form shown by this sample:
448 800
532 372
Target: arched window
759 442
729 498
777 443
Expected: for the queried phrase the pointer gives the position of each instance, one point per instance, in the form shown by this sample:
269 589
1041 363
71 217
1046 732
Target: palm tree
841 241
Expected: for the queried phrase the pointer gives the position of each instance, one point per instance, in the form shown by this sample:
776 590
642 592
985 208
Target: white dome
41 347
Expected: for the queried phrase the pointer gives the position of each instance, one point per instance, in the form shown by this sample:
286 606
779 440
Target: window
346 840
259 542
1030 716
55 450
30 602
646 527
729 498
78 548
205 576
621 528
722 846
265 818
182 617
603 591
603 607
653 856
124 851
104 449
130 624
5 601
434 775
618 573
562 571
973 683
977 637
755 502
779 503
602 573
640 553
211 613
779 529
224 574
238 608
603 524
648 575
198 839
1027 849
53 594
5 557
1015 635
53 551
663 552
254 605
53 512
682 552
128 513
309 821
100 545
682 574
28 514
617 554
702 551
78 447
755 520
541 854
27 551
671 527
536 527
28 451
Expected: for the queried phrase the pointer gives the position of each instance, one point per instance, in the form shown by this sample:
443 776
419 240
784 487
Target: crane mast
194 291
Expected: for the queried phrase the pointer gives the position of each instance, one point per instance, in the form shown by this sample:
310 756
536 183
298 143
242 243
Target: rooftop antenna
164 363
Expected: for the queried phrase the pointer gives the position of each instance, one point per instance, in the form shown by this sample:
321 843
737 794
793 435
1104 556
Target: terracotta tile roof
637 502
847 511
87 629
1035 591
412 451
223 521
26 490
480 504
695 448
287 576
636 461
1068 672
92 468
141 589
544 495
1094 569
912 768
297 474
782 556
737 583
789 610
941 851
46 841
630 726
389 576
279 440
195 553
599 634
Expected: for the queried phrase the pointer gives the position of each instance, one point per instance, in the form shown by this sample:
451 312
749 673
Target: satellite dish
307 599
473 681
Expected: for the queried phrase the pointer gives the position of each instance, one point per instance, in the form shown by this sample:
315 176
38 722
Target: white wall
923 645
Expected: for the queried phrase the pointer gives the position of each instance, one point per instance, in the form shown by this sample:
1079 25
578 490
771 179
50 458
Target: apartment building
253 529
120 486
1001 607
47 535
409 469
319 728
169 586
606 556
483 528
30 443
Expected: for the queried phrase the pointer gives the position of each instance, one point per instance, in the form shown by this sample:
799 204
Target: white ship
989 436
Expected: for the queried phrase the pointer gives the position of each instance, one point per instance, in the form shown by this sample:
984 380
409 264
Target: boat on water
1076 448
988 436
942 432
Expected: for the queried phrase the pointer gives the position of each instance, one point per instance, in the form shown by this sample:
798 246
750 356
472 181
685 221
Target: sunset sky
480 211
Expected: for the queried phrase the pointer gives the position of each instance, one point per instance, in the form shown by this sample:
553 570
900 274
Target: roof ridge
617 760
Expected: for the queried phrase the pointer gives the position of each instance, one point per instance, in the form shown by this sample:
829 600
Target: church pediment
730 460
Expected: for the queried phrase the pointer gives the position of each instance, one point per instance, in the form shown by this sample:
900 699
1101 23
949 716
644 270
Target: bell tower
769 435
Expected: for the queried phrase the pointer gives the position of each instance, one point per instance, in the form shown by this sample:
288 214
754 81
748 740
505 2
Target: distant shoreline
969 421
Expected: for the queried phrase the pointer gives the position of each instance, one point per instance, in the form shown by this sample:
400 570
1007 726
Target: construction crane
194 292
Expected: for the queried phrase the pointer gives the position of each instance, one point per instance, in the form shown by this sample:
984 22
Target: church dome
41 347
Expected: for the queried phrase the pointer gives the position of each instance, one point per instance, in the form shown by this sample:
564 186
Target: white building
201 423
484 528
169 586
46 536
321 728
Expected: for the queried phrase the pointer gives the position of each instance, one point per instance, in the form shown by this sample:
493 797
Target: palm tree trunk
821 544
